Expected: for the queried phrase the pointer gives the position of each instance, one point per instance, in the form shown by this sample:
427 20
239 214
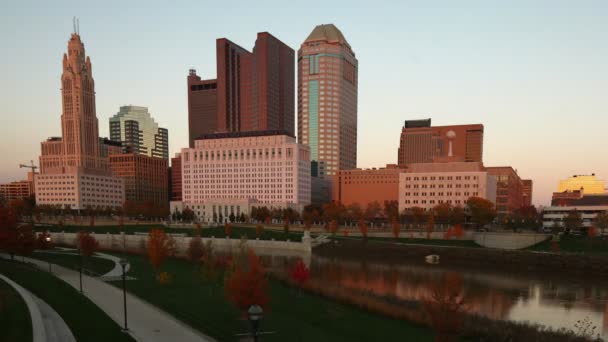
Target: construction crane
31 166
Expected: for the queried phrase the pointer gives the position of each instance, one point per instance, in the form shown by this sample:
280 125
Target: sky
534 73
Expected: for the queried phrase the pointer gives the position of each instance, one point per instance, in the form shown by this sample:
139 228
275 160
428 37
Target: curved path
47 325
114 274
146 322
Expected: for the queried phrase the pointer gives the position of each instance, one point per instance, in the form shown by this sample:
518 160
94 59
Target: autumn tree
396 228
372 210
430 226
481 210
195 249
258 230
227 229
444 307
87 244
601 221
26 240
573 221
442 212
299 273
159 247
8 231
333 227
246 284
391 210
418 216
363 228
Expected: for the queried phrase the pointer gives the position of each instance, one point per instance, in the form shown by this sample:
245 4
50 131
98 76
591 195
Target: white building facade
429 184
554 216
268 168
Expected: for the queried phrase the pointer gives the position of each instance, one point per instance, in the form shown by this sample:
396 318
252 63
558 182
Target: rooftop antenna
74 23
78 26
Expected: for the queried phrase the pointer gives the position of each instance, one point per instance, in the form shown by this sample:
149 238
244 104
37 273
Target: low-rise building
364 186
554 216
426 185
268 167
19 189
79 190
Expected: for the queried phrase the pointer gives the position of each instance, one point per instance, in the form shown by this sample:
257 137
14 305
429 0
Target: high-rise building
327 99
254 91
267 167
139 133
590 184
145 177
422 143
202 106
74 170
176 178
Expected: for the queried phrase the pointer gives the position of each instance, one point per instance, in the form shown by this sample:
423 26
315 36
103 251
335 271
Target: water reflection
554 303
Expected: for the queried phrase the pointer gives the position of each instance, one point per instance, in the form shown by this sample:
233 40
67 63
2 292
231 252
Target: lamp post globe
255 314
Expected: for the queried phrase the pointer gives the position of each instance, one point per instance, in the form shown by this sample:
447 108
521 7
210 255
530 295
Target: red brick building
422 143
509 190
18 190
366 186
145 178
527 192
254 91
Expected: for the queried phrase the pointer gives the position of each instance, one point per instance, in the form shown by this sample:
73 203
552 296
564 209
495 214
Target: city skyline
526 104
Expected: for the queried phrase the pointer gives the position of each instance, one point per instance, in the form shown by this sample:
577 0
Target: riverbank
594 266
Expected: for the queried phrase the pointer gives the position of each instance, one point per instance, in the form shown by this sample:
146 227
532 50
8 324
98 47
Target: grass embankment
236 232
85 319
15 321
291 317
92 265
575 244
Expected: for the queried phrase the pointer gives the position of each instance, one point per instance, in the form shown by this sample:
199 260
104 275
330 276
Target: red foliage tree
448 233
227 229
26 240
396 228
8 231
87 243
592 232
160 246
299 273
333 227
258 230
458 232
195 249
430 226
444 307
247 285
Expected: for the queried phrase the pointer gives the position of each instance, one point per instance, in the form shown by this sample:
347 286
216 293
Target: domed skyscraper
327 100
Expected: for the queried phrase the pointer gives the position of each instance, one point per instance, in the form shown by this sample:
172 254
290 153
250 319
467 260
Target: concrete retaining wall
508 240
138 242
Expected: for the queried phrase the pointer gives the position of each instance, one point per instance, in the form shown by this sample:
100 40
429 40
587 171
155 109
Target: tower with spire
75 160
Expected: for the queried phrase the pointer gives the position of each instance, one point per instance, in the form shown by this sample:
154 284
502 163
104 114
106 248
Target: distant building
422 143
139 133
510 190
254 91
176 178
327 99
527 187
426 185
364 186
554 216
145 178
268 167
590 184
74 169
18 190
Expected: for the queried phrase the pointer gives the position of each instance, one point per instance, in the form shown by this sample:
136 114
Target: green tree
601 221
573 221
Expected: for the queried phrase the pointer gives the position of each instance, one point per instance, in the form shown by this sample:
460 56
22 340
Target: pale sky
535 73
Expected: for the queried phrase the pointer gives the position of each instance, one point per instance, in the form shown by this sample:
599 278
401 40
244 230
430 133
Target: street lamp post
123 263
255 315
80 269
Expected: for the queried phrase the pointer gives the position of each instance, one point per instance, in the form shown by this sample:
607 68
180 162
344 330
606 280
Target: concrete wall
508 240
123 241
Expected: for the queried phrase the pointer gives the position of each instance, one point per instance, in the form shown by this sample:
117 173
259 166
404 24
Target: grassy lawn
85 319
236 231
576 244
94 265
291 317
432 242
15 322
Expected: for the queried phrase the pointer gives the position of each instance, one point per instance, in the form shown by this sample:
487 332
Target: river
556 302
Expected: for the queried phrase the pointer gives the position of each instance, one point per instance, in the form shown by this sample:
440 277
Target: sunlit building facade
590 184
135 128
327 99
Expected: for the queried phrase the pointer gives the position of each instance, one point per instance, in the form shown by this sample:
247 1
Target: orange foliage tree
160 246
299 273
444 307
258 230
195 250
333 227
430 226
246 285
87 244
227 229
458 232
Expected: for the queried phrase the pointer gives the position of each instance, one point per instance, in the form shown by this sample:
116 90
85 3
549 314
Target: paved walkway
47 325
114 274
146 322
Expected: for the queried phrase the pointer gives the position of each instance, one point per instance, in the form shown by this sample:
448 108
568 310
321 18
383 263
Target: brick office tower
422 143
254 91
327 99
73 171
145 177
